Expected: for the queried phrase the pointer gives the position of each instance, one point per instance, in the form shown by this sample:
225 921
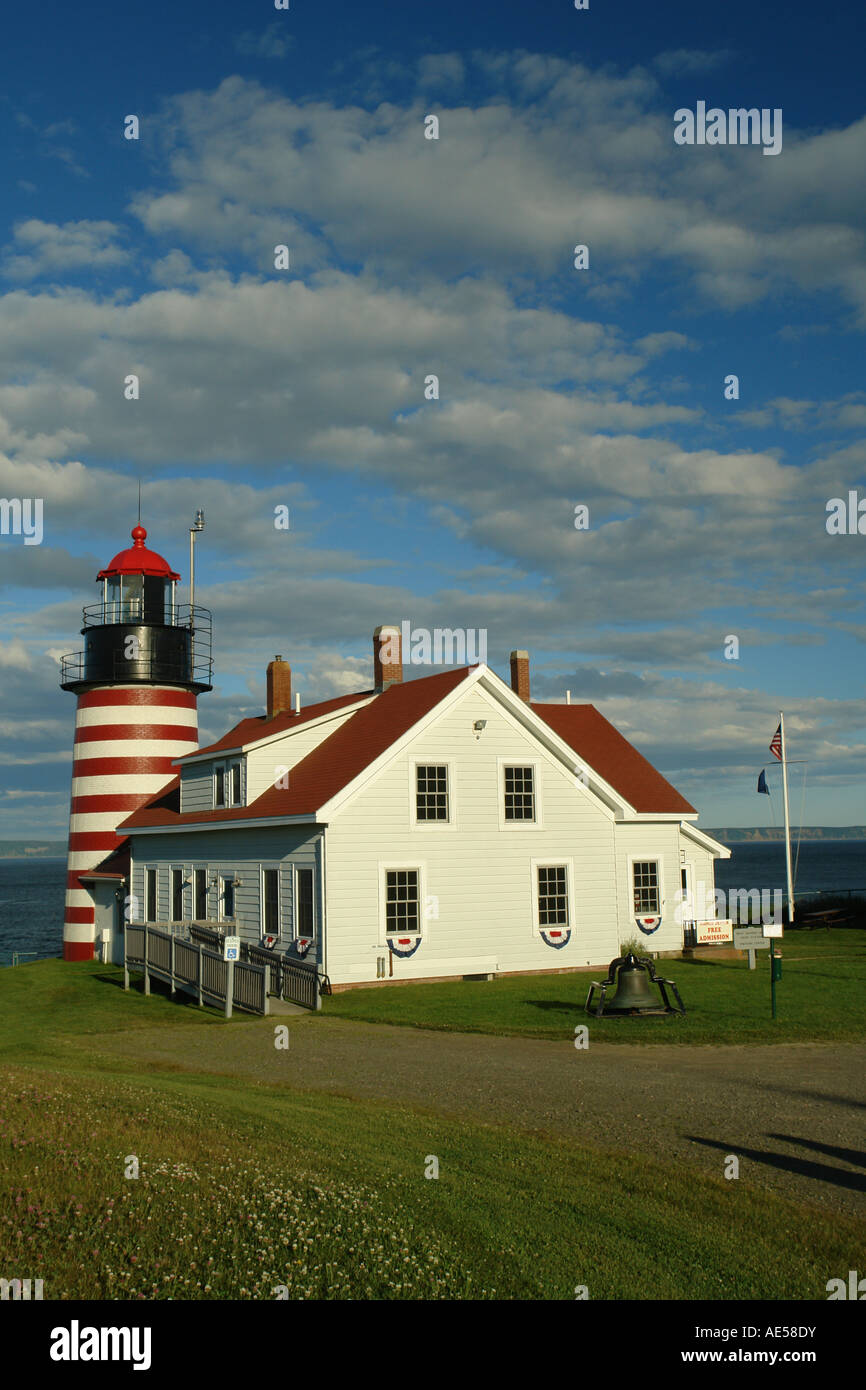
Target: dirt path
793 1113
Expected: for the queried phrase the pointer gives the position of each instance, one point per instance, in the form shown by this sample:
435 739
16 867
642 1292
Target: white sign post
231 953
751 939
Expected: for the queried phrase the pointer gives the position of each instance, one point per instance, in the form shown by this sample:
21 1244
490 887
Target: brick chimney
387 657
279 687
520 674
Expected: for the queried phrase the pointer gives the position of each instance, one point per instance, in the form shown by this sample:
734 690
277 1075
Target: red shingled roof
362 738
329 767
259 726
605 750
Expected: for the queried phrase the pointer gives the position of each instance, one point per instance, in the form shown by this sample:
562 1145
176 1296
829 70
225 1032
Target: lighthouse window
219 795
112 603
132 590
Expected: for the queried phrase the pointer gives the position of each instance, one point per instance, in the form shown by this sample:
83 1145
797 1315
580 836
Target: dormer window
228 789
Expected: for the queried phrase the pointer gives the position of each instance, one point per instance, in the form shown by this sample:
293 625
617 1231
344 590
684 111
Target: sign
770 930
232 948
714 931
751 939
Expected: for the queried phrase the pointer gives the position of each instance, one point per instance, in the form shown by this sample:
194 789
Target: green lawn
246 1187
821 996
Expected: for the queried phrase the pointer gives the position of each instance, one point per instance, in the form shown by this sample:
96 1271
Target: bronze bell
634 996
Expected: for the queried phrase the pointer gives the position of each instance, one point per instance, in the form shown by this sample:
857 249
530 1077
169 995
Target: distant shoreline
770 834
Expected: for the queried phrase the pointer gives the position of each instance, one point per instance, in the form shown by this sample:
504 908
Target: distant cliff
737 835
32 849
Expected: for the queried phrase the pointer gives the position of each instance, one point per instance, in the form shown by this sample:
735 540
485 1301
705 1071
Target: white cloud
272 42
49 248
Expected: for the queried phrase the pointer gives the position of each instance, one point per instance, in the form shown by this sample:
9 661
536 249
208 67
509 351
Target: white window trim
554 862
416 824
689 867
512 825
311 868
222 875
154 869
225 765
183 871
392 866
232 763
658 860
279 873
205 869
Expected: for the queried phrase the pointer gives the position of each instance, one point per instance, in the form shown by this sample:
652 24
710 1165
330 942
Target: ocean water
32 895
32 891
827 866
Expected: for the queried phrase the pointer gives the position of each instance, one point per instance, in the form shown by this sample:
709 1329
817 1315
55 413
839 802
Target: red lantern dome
138 560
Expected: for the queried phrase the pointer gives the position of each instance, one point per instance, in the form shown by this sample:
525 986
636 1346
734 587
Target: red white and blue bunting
303 944
557 939
402 945
649 924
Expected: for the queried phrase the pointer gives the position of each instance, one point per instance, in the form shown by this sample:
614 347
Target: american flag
776 745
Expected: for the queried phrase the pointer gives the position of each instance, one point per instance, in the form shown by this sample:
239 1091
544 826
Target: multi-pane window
646 887
200 913
227 784
228 897
177 895
150 896
552 896
519 793
304 921
431 792
271 914
402 910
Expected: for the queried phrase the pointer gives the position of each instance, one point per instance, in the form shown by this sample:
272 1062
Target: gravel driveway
793 1113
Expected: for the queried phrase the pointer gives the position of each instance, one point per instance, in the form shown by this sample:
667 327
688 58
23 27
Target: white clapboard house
437 827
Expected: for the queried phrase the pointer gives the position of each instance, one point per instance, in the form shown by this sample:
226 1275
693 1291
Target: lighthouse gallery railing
197 621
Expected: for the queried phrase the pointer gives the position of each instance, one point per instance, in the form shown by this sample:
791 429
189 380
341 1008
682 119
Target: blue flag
762 784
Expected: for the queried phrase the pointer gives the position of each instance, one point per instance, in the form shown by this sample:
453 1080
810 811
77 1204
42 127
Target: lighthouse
146 658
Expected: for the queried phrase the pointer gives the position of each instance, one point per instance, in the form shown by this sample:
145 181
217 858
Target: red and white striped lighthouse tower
145 660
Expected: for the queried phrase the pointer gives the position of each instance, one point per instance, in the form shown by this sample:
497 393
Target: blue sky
409 257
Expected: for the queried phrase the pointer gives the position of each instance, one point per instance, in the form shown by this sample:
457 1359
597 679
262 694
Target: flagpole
787 822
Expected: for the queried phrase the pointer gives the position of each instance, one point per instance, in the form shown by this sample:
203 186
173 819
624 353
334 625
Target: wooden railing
192 967
194 961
